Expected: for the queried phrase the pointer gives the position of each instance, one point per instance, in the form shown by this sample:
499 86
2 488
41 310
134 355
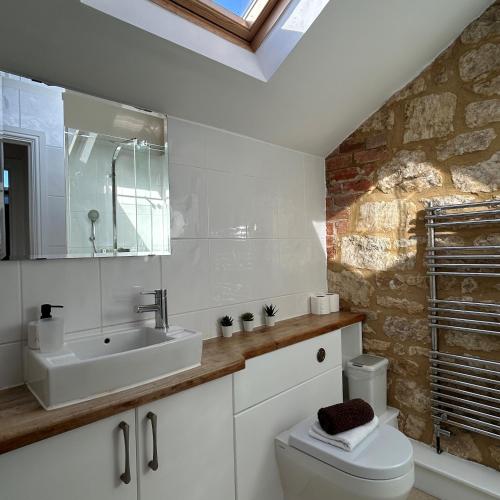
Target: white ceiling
355 55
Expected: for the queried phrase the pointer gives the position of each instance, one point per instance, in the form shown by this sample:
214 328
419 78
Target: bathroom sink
96 365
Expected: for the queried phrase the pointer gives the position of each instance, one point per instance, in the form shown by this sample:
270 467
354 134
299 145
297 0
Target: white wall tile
228 205
73 283
197 320
223 151
10 302
186 143
11 364
10 106
315 195
55 228
42 110
262 211
230 271
122 280
294 265
56 182
292 215
186 276
317 265
188 202
265 272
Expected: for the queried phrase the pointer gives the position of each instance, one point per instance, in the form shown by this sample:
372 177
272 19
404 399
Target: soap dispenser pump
46 310
46 334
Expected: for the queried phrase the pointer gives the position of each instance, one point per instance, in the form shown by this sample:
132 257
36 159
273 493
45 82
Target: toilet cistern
159 307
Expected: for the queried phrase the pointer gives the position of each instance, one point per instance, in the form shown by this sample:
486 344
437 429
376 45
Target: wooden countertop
23 421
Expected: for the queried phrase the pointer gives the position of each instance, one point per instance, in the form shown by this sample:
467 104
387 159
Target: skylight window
244 22
238 7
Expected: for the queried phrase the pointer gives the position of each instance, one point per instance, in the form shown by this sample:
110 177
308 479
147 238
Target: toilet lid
385 454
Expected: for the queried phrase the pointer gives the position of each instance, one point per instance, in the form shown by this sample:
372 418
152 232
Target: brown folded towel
345 416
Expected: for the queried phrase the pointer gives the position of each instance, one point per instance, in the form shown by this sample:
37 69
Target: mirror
79 176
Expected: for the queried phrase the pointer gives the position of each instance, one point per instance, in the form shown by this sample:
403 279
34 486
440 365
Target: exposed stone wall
437 139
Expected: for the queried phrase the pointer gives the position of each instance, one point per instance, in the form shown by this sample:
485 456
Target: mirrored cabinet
79 176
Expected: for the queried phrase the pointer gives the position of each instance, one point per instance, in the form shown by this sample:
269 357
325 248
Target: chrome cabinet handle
153 464
125 477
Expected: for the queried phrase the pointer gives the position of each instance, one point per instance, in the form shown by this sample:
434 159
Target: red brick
338 213
367 170
329 241
329 228
360 186
376 141
335 188
331 254
350 145
343 213
341 227
344 174
371 155
329 203
338 161
345 200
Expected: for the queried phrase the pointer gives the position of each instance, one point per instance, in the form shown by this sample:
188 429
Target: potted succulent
248 320
270 312
226 324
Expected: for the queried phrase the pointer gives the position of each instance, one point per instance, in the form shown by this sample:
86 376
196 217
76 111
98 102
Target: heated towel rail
465 389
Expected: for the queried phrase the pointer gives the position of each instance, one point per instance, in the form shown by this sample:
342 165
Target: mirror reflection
79 176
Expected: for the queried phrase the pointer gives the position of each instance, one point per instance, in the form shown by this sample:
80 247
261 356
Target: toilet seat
385 454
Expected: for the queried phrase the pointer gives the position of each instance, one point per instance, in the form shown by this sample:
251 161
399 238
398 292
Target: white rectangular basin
96 365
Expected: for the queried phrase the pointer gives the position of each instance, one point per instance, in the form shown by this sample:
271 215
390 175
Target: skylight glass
248 10
237 7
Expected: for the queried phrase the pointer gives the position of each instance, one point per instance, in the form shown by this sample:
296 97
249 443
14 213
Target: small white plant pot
270 320
227 331
248 326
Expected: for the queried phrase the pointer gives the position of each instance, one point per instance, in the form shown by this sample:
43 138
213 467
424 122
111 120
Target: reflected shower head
93 215
119 147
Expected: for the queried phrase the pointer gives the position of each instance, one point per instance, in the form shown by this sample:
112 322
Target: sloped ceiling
355 55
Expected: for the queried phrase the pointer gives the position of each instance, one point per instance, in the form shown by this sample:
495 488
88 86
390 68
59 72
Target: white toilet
381 467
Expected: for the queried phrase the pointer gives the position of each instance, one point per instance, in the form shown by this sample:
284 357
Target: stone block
487 25
381 120
410 394
351 286
429 116
409 306
482 177
481 113
488 88
408 171
406 329
366 252
386 215
479 61
479 140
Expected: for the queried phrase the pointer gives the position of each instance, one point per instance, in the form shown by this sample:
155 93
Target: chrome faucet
159 307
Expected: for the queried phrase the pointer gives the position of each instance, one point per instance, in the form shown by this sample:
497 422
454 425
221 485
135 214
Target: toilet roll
320 304
334 302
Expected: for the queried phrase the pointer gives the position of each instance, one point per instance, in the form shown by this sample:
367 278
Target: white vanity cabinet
194 430
274 392
82 464
194 435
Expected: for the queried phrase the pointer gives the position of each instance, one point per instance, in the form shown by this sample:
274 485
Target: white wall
248 228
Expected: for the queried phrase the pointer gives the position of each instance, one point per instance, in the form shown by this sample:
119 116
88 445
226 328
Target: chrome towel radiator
465 389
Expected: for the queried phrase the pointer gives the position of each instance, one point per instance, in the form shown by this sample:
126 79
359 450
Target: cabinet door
257 475
195 445
81 464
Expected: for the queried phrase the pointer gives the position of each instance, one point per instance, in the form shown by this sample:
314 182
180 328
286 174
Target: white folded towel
347 440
